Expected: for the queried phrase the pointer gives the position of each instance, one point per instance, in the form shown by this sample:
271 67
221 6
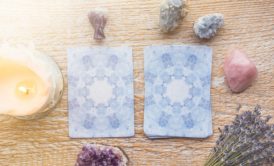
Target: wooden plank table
53 26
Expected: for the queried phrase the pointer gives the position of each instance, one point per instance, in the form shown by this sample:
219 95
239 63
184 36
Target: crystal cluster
98 20
247 141
99 155
206 27
171 13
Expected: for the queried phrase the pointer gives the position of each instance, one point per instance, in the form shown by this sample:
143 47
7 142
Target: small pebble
206 27
171 14
239 71
98 20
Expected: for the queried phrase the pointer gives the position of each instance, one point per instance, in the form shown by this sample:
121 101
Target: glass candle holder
31 82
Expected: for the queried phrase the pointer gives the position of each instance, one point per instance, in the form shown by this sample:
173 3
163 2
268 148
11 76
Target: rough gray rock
206 27
171 13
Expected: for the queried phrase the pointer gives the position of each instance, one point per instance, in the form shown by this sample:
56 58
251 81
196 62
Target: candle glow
31 92
31 83
26 89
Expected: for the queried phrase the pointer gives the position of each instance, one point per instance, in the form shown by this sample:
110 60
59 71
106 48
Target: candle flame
23 90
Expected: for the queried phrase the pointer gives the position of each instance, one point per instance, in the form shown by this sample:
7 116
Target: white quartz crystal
206 27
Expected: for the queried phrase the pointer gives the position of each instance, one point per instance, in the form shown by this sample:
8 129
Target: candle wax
22 91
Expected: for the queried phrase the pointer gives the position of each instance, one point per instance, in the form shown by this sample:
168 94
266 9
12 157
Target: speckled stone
177 91
172 13
100 92
207 26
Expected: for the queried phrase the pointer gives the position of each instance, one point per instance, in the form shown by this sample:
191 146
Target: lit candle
31 83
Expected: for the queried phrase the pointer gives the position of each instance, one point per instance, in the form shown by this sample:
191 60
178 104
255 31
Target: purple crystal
99 155
98 20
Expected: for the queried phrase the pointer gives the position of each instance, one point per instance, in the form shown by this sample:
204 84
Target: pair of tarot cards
177 91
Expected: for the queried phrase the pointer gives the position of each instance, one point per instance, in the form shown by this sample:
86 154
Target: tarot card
100 92
177 91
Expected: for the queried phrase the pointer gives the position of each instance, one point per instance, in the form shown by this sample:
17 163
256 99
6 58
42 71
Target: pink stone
239 71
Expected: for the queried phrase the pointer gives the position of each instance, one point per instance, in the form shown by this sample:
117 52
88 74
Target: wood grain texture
53 26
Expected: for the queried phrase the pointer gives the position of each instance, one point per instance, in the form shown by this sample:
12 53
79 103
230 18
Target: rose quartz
239 71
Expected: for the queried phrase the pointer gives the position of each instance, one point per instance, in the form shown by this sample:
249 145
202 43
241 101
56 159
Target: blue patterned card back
177 91
100 92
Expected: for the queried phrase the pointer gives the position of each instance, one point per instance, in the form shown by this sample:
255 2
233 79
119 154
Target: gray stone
171 14
206 27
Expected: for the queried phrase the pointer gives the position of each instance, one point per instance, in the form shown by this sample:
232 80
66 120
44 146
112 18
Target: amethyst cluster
99 155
